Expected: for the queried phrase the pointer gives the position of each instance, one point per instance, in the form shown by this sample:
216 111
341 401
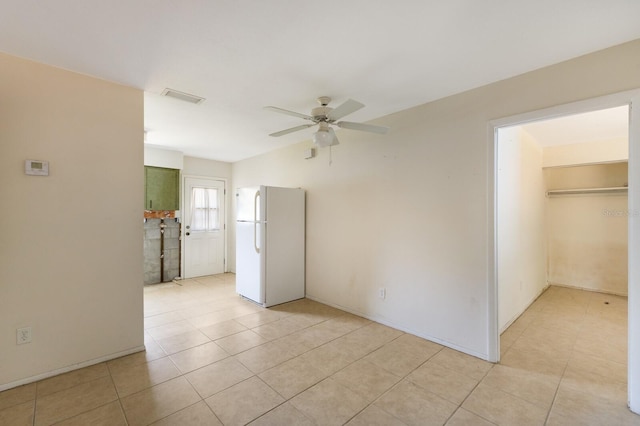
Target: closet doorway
500 313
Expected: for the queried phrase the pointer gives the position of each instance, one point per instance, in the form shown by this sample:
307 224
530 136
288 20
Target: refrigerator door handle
256 205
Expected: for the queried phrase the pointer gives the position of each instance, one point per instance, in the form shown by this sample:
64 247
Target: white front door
204 227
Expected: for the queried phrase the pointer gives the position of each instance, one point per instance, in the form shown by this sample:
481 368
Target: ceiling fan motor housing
320 113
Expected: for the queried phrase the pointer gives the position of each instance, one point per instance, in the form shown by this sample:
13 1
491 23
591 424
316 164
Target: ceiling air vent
182 96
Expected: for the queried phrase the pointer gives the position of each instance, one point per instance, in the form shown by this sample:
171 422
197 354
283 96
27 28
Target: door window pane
204 210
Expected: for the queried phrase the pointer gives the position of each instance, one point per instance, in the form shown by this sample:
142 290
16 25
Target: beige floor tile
244 402
71 379
198 357
534 361
503 408
218 376
256 319
137 358
213 318
292 377
603 346
280 328
329 403
557 344
416 406
581 362
134 378
509 336
107 415
296 346
152 350
347 323
366 379
159 401
183 341
284 414
364 340
533 387
198 414
463 417
319 334
222 329
404 354
587 409
462 363
297 343
171 329
595 384
18 395
162 319
18 414
73 401
374 416
240 342
265 356
442 381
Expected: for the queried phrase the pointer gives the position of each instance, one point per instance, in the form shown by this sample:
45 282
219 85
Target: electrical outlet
23 335
382 293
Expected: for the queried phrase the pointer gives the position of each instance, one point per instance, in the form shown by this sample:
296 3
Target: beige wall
587 234
71 252
521 236
588 152
409 211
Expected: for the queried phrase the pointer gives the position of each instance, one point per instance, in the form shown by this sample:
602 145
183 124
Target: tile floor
213 358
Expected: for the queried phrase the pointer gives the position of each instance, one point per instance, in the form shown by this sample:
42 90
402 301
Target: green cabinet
161 188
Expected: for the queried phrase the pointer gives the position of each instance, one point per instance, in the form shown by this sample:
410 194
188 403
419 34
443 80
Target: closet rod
581 191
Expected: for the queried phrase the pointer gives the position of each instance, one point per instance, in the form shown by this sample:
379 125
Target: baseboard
388 323
594 290
72 367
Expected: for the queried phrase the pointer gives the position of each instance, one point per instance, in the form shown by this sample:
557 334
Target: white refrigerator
270 244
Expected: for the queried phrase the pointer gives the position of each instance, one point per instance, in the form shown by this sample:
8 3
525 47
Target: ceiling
242 55
607 125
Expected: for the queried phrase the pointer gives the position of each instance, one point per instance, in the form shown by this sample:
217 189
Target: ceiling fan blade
286 111
291 130
364 127
345 109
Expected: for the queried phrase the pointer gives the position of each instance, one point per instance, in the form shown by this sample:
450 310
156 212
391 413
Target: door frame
183 180
632 99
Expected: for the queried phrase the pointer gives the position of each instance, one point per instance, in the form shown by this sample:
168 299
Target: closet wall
587 233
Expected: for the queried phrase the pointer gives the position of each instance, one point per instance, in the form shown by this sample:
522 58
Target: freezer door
284 245
250 261
246 208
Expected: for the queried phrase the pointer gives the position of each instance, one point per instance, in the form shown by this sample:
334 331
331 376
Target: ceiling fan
325 116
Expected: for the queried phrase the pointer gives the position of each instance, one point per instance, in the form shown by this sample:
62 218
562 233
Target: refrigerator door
284 245
247 204
250 261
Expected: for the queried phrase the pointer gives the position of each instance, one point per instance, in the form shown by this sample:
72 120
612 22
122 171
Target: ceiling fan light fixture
323 138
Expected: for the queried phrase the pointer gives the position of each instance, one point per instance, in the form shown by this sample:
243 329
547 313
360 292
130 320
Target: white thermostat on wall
36 167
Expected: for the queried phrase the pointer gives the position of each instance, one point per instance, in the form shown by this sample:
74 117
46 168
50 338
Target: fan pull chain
330 156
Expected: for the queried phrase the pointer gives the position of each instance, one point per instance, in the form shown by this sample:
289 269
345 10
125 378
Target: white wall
158 157
588 152
521 226
587 234
409 211
71 252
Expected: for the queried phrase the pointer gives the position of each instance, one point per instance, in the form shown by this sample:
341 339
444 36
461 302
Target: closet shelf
582 191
